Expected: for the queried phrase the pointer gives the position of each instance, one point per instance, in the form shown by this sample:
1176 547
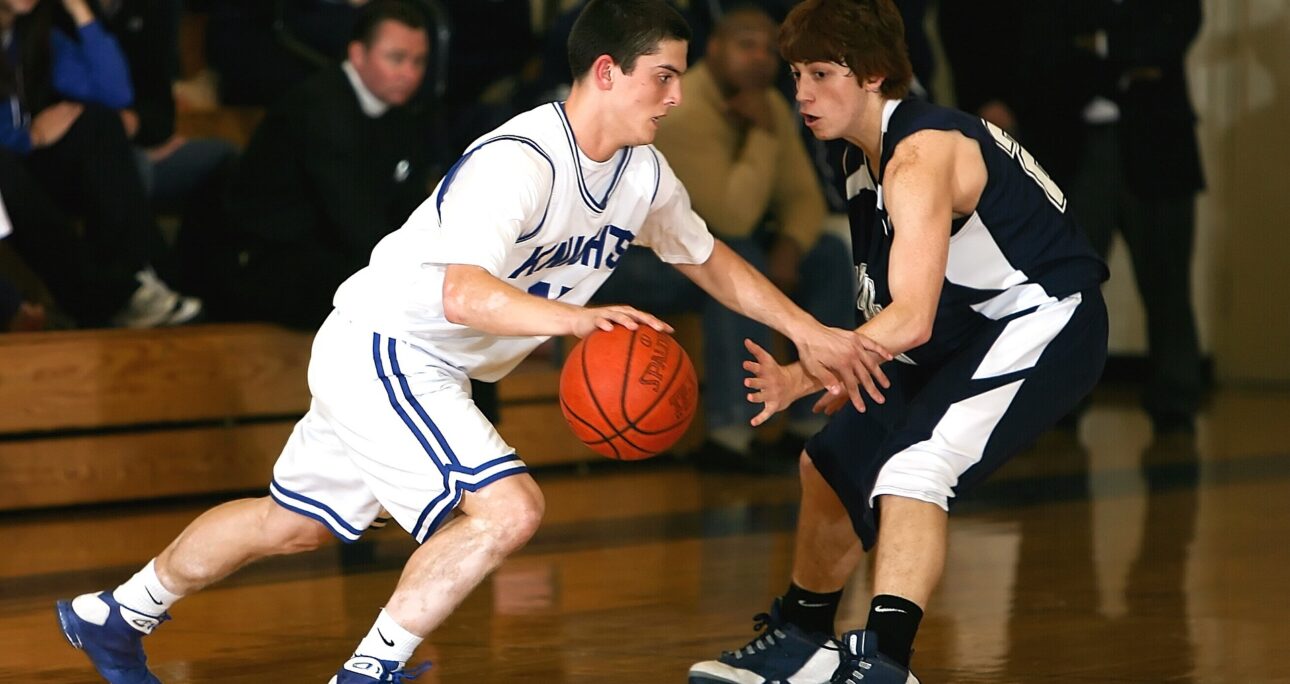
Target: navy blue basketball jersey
1020 249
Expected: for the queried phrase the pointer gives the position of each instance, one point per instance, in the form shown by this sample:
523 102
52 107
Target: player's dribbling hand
605 318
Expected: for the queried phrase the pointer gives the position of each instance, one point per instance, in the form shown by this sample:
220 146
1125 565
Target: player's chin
647 133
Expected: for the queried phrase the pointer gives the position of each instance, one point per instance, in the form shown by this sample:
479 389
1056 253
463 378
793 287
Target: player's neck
866 131
592 126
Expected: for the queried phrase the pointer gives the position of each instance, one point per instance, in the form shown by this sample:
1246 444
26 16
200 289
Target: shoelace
404 675
849 664
770 633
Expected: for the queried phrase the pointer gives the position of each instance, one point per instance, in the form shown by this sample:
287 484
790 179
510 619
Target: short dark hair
407 12
868 36
624 30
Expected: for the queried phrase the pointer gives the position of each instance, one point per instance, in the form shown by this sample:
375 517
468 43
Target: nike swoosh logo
385 641
880 609
804 604
154 598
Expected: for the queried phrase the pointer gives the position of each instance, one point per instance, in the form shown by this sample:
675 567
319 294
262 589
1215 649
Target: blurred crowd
111 216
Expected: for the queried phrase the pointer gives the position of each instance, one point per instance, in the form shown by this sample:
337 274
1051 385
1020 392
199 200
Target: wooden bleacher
99 416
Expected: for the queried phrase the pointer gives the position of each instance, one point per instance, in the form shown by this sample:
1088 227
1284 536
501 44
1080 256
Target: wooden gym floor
1104 558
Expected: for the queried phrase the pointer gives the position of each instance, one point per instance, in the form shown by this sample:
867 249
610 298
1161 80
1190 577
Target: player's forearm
474 298
803 383
899 328
739 287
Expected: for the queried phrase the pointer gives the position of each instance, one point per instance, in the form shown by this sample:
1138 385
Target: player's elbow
920 334
456 302
915 323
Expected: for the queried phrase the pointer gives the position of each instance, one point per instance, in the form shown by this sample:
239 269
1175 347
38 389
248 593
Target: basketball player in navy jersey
972 272
511 246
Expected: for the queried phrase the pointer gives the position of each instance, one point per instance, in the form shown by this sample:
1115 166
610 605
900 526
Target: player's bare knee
520 518
511 509
805 466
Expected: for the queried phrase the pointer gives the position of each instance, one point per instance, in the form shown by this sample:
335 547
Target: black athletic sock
895 621
812 612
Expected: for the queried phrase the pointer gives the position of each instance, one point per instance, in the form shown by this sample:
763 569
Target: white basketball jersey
526 205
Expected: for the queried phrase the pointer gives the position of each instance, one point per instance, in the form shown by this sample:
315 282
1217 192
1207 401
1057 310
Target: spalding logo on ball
628 394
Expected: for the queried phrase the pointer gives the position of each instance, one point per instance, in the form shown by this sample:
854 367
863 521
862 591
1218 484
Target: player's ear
357 53
603 71
873 83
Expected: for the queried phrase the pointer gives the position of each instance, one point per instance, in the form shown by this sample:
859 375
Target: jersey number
1029 165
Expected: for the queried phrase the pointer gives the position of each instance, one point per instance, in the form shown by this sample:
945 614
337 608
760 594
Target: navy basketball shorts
944 429
391 430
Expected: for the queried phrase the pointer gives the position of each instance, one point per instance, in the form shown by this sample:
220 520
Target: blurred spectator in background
1138 172
16 313
1097 91
735 145
80 274
260 49
66 81
337 164
173 166
980 38
921 57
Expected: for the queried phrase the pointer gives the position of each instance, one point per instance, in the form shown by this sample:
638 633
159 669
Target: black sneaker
782 654
863 664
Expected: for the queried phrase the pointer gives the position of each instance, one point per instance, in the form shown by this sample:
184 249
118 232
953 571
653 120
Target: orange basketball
628 394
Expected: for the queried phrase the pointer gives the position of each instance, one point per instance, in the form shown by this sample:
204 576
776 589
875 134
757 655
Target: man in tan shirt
735 144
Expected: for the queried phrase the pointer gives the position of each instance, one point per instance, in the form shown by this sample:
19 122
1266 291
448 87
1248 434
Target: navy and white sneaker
863 664
782 654
362 669
111 636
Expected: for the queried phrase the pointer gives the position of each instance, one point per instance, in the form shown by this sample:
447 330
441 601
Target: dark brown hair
624 30
866 36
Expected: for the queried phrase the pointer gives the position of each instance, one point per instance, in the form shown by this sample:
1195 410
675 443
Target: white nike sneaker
154 304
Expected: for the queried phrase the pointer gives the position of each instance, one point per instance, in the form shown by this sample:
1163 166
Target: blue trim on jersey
333 524
658 174
452 174
596 205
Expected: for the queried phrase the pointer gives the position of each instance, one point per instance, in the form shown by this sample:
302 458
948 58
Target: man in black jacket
339 162
1107 108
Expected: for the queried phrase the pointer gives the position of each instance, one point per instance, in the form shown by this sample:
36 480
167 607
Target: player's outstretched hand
844 361
773 386
605 318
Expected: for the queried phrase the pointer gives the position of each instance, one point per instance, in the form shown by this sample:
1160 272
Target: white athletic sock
145 593
388 640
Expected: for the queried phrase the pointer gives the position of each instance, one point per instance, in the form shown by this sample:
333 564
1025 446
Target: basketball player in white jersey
518 235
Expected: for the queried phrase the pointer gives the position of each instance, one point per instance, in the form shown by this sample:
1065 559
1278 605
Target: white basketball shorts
390 427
